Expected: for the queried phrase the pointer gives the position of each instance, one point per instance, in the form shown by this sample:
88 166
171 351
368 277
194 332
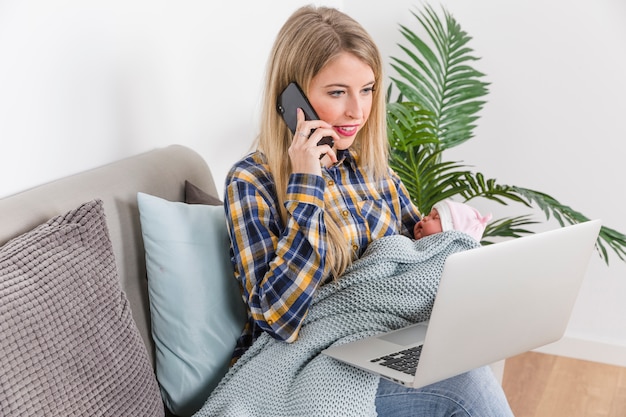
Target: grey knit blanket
392 285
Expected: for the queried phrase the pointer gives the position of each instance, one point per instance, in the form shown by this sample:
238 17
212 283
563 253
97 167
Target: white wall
84 82
553 123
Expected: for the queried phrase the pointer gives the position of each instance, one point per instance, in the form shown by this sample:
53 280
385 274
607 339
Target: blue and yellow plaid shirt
279 265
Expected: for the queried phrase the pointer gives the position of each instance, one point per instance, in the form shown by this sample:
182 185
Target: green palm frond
431 180
511 227
440 80
415 156
613 239
566 215
409 127
478 186
440 96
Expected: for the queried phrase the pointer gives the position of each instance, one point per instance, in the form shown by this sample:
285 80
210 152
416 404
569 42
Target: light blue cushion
196 310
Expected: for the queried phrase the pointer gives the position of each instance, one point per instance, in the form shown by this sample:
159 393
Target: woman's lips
346 130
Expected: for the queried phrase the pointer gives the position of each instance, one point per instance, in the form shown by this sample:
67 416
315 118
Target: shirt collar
345 157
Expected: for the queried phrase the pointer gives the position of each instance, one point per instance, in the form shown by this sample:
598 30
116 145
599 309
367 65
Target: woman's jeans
476 393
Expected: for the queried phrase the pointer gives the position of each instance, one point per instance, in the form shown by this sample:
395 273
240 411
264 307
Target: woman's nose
354 108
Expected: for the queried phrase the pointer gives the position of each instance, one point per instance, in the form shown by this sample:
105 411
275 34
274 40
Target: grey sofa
162 173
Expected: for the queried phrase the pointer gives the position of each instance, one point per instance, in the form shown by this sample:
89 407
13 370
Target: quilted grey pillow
68 343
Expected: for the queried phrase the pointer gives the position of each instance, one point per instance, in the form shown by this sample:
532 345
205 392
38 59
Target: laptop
492 303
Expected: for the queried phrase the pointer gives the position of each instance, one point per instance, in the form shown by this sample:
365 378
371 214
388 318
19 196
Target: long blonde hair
310 39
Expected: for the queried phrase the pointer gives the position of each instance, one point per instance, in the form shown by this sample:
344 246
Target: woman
300 213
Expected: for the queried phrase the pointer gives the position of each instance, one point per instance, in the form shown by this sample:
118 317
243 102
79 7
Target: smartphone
289 100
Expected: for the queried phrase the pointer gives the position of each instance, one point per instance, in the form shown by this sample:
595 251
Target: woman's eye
368 90
335 93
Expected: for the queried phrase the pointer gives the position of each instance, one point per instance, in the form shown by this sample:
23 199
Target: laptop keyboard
403 361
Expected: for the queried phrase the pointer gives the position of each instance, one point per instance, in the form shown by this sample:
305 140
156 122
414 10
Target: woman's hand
304 152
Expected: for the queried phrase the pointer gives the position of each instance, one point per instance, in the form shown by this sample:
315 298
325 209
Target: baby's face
429 225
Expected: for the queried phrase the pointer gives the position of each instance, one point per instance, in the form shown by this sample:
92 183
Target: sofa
116 297
46 318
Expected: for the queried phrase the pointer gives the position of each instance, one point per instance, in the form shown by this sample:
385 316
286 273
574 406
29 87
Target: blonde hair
309 40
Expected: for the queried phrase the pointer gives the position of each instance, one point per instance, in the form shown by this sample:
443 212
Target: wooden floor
541 385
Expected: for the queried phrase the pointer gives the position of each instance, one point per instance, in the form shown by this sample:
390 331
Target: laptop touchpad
407 336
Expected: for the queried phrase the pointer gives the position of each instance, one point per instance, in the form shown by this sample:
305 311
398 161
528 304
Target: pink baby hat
461 217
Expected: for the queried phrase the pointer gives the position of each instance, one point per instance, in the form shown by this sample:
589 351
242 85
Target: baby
450 215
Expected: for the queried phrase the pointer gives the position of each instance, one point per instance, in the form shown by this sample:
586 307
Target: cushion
68 343
195 302
196 195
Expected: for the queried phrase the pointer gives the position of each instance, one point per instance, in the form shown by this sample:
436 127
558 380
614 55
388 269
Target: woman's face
341 94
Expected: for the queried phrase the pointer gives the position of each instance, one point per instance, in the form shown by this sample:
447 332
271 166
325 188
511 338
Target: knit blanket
391 286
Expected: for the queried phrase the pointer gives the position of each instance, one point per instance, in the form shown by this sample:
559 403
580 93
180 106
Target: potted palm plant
433 105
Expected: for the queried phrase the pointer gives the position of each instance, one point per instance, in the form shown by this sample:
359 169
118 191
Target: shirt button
270 322
345 213
330 183
355 247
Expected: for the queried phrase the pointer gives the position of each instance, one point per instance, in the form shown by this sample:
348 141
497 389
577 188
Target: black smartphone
289 100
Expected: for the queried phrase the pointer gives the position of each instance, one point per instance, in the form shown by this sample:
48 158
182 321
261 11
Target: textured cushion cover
68 343
195 303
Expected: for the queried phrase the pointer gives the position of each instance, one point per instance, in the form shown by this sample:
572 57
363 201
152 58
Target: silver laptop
493 302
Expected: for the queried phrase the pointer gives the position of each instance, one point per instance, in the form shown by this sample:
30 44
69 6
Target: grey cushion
68 343
196 195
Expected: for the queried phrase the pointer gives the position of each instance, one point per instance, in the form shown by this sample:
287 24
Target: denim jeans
476 393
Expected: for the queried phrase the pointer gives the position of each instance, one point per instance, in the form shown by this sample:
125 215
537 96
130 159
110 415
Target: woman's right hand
304 152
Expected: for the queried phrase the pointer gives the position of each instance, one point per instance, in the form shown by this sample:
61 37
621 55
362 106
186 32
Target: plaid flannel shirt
279 266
